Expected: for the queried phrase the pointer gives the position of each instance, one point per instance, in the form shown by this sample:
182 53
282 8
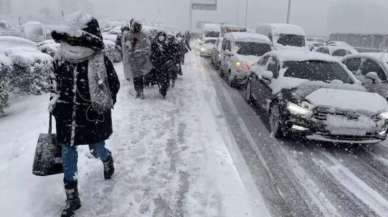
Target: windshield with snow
252 48
210 42
317 71
212 34
292 40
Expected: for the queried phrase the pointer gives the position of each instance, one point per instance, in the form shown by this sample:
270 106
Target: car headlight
203 49
383 115
305 109
238 64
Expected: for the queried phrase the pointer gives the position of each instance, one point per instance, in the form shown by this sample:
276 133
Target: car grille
321 113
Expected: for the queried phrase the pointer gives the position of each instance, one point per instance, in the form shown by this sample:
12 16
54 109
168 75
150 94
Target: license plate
338 125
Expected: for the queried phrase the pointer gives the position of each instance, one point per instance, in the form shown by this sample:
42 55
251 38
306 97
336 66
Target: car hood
346 99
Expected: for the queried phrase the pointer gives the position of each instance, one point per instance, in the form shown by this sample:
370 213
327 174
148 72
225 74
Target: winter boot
109 168
73 202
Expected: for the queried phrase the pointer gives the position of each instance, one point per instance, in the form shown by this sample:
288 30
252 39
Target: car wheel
248 92
230 79
275 121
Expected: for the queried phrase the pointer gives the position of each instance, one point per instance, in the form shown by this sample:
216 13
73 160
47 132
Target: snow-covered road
172 157
202 152
301 178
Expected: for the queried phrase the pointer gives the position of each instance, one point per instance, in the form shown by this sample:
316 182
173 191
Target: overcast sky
316 16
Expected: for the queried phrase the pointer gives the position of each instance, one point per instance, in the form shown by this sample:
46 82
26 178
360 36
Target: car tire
230 79
275 121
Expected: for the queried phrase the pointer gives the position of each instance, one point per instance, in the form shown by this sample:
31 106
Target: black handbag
48 154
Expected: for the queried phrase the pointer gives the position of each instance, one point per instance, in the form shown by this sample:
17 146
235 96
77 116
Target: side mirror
374 77
267 75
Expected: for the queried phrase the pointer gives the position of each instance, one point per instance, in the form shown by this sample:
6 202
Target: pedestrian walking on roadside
161 62
84 89
137 50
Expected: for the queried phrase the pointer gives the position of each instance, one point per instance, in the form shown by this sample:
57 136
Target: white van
240 50
283 35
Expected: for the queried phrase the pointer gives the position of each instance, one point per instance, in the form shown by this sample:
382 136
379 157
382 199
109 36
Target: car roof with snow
379 56
286 28
211 27
301 55
248 37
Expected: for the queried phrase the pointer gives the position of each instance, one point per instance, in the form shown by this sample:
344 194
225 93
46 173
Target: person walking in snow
161 62
137 50
173 51
188 39
118 43
84 89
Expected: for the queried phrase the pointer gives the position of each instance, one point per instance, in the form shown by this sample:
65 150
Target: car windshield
210 41
252 48
316 70
292 40
212 34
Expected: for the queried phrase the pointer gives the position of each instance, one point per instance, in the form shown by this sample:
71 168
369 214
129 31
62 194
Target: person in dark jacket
160 60
84 89
188 39
173 51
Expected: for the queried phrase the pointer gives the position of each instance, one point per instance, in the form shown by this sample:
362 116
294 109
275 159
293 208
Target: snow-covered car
284 35
371 69
313 95
216 54
336 51
30 67
206 46
239 51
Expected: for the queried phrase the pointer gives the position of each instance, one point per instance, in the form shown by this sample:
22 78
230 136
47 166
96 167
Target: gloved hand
53 102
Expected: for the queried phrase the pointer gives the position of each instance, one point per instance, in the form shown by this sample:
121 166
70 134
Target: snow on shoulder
301 55
248 37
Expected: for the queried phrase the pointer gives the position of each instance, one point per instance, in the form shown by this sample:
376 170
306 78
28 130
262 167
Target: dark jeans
138 83
70 159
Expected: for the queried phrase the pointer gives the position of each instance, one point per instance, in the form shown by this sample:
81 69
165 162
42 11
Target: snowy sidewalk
171 159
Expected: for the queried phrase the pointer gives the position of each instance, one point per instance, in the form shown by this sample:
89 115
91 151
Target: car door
381 87
259 67
264 85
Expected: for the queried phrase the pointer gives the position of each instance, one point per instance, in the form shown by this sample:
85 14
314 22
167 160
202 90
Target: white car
371 69
314 96
239 51
206 46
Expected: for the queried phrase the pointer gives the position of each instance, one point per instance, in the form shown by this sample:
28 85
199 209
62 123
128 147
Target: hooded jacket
77 121
136 54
